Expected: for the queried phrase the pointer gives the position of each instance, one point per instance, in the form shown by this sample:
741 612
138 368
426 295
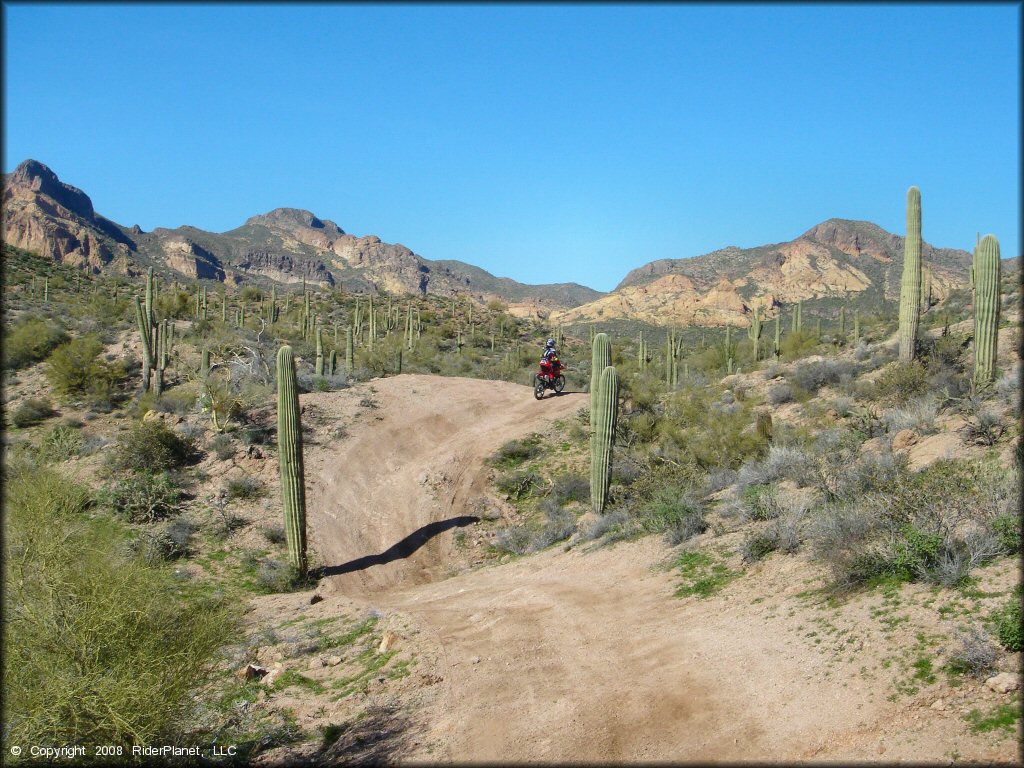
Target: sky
546 143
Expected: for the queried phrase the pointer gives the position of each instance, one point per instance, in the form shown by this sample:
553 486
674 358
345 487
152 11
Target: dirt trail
414 459
575 656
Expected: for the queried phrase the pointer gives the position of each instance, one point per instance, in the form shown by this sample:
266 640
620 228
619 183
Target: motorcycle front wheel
559 384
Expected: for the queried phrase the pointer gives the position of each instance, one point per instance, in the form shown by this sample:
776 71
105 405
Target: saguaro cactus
601 444
319 353
147 352
600 358
986 309
349 356
910 285
289 450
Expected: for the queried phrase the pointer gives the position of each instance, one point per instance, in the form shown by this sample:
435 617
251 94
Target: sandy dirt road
575 656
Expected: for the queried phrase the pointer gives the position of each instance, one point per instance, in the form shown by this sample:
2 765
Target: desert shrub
518 484
169 542
559 524
816 374
760 502
984 427
1007 623
517 451
151 447
571 487
934 526
918 415
515 540
757 544
60 444
29 341
223 447
274 533
143 497
244 487
901 382
32 411
1007 529
613 525
99 647
719 478
975 655
842 406
675 512
276 576
75 369
779 394
783 462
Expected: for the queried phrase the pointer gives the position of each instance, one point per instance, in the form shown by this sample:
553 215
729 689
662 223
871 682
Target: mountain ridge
835 258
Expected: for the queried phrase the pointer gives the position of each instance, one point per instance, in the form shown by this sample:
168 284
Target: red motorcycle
549 377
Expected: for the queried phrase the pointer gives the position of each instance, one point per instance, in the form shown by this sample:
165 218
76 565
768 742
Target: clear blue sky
543 143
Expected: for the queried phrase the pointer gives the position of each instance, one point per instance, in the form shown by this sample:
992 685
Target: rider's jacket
549 353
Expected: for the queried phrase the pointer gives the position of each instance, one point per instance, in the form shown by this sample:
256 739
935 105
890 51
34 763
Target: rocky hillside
287 245
837 258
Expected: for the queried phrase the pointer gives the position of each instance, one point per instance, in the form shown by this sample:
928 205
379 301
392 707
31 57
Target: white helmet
551 343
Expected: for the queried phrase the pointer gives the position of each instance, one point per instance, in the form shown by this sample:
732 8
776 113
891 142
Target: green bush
244 487
31 412
1007 529
60 444
673 511
1007 621
517 451
99 647
901 382
143 497
29 341
518 484
151 447
75 369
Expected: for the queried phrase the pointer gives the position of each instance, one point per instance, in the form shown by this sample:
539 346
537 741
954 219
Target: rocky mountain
837 259
286 245
43 214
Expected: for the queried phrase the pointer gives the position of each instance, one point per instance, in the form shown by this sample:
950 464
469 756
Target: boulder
1004 682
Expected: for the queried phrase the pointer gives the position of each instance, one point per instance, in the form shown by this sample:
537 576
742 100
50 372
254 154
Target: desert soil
587 655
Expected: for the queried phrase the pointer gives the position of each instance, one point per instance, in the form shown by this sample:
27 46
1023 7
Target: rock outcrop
43 214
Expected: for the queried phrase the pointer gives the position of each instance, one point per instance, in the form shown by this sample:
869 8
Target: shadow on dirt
378 737
402 549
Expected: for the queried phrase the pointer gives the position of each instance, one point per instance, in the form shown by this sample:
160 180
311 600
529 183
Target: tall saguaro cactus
600 358
910 285
986 309
606 413
289 450
147 352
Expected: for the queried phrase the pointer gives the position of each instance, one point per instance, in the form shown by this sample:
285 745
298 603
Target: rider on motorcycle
549 364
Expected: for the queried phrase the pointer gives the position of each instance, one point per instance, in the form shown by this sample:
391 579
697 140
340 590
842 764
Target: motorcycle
548 377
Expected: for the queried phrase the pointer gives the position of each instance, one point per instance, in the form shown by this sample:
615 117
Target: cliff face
56 220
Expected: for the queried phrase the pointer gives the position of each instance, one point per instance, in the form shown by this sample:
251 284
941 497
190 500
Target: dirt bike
548 377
